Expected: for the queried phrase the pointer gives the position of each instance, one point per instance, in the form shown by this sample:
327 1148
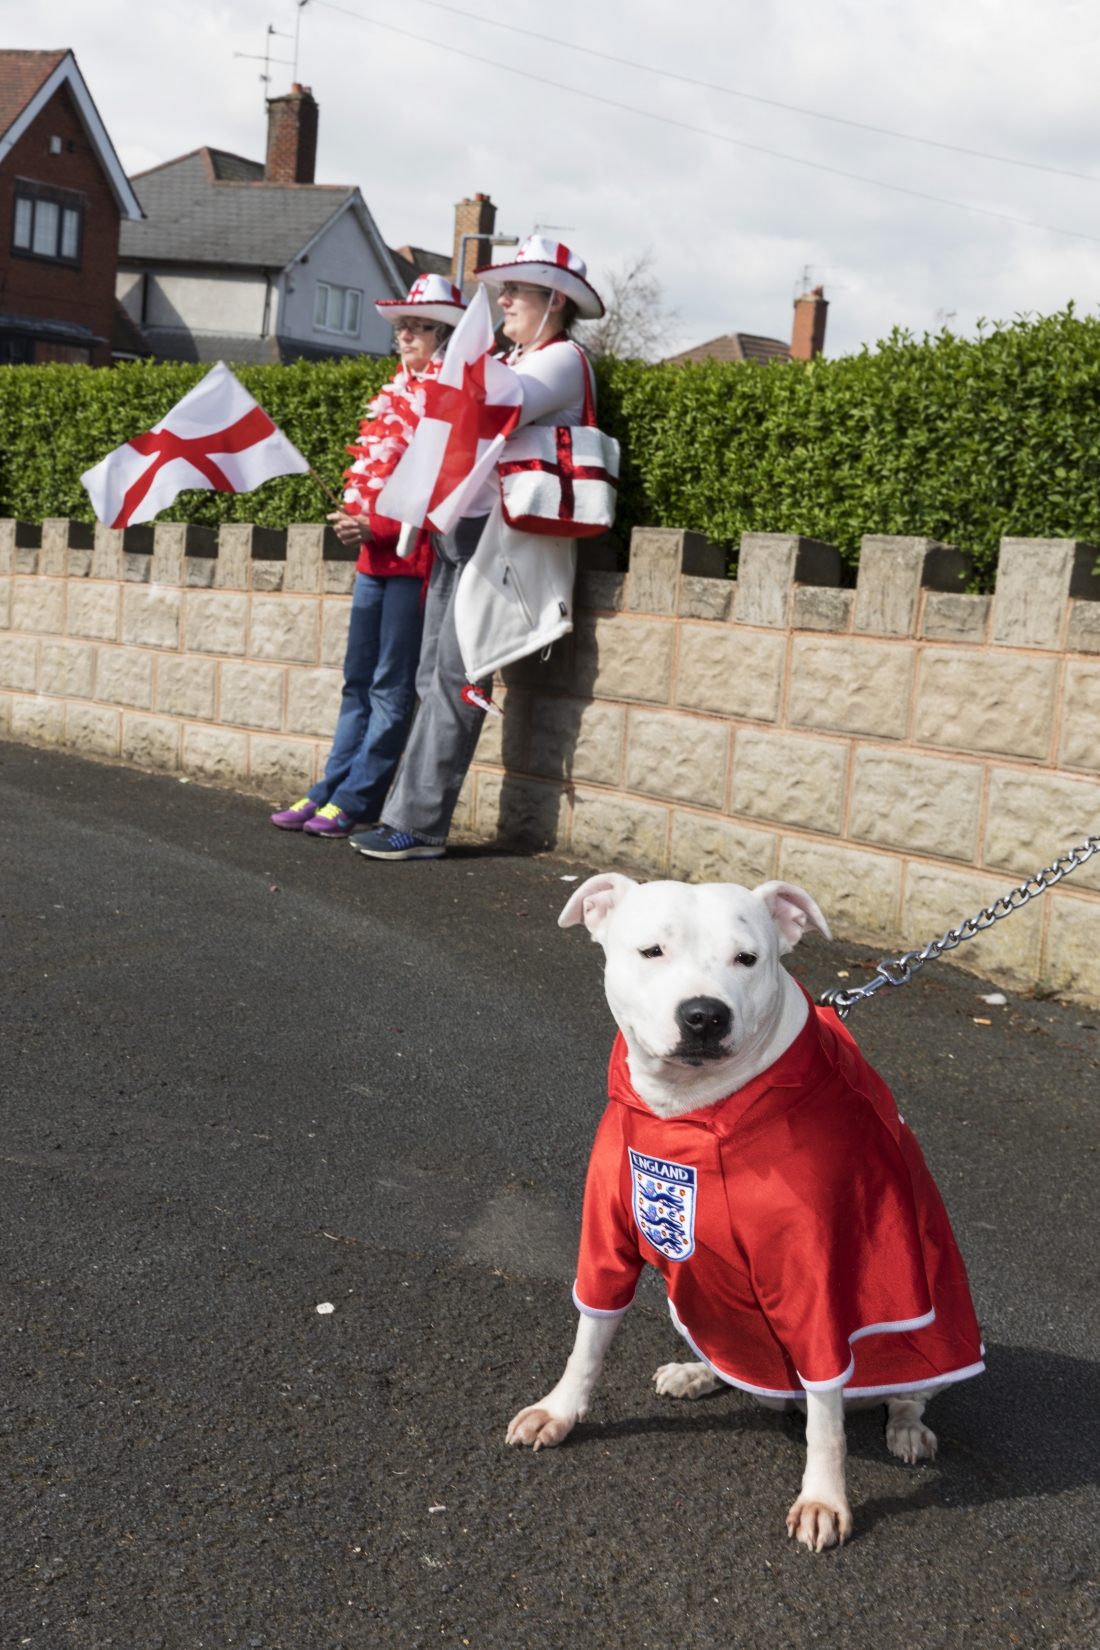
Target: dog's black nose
704 1019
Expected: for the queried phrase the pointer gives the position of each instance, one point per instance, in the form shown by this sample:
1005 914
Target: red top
802 1240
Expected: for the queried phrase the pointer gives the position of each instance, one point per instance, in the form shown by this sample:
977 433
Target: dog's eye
653 951
746 959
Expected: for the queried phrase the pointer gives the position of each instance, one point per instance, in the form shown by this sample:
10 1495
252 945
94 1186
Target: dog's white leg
906 1434
686 1380
553 1419
821 1516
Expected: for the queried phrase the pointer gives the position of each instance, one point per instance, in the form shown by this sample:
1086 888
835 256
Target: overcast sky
732 230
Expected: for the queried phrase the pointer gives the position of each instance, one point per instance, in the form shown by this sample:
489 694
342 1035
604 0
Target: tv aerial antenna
266 58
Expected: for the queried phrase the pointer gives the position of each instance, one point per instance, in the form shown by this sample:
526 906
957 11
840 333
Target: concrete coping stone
21 535
893 570
768 568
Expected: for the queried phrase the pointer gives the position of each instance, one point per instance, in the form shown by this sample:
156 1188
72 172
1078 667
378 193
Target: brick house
63 194
249 260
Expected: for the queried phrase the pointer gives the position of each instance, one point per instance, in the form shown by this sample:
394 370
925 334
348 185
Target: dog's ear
792 910
594 902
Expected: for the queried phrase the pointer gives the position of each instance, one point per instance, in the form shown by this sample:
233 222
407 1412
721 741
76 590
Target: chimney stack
291 137
473 217
808 332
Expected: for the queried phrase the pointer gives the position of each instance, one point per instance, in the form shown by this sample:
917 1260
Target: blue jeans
387 619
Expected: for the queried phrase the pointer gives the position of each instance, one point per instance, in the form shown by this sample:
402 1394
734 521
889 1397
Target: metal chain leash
900 970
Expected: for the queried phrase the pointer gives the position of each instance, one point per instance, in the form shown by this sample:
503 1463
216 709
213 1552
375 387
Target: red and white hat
548 263
431 298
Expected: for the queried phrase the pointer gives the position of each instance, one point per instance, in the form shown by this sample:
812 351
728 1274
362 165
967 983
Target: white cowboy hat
548 263
431 298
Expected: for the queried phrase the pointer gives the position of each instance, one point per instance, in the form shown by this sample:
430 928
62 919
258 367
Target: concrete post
892 571
19 541
239 544
658 556
177 542
309 545
769 566
60 535
1035 579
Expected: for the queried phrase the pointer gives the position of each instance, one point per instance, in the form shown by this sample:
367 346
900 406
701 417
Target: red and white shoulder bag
561 480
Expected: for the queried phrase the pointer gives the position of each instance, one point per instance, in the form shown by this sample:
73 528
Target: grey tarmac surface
243 1074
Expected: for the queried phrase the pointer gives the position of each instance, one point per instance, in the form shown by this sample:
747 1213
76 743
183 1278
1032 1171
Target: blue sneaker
386 843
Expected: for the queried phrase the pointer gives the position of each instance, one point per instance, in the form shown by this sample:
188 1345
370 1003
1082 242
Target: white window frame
69 228
351 305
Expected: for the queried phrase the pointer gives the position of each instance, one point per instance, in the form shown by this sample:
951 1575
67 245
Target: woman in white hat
387 606
542 292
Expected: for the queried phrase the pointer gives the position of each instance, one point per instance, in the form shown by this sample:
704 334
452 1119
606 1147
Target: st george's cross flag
217 438
470 410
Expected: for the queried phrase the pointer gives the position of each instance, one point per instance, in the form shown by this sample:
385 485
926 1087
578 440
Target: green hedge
963 440
57 421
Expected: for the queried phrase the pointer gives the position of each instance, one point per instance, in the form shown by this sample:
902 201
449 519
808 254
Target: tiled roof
416 260
21 74
193 217
735 346
229 168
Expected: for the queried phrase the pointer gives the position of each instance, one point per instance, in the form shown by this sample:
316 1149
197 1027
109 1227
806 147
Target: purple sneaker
330 821
293 819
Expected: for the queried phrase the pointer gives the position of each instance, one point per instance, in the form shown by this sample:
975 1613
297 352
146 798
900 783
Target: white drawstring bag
515 596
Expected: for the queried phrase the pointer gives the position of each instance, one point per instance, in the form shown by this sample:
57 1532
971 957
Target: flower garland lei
383 436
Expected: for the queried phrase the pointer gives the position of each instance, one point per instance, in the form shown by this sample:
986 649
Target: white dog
752 1155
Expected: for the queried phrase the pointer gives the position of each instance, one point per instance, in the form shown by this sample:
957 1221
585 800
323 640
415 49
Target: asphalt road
243 1074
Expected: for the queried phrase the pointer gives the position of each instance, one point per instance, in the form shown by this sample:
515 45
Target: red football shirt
802 1240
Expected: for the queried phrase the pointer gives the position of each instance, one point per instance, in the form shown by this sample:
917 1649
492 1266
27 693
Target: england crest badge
664 1204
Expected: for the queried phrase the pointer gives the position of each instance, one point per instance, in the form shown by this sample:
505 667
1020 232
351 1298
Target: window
337 309
48 223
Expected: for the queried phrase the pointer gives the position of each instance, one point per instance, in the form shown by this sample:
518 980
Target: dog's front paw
908 1438
537 1427
818 1526
685 1380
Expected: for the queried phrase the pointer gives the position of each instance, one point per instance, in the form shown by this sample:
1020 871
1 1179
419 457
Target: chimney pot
291 137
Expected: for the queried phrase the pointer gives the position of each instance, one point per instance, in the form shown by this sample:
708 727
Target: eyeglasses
413 326
516 289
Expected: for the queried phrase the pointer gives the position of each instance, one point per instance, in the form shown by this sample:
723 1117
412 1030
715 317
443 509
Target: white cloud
417 128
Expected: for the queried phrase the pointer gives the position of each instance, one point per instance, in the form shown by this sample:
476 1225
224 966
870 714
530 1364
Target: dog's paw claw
910 1441
538 1428
818 1526
685 1381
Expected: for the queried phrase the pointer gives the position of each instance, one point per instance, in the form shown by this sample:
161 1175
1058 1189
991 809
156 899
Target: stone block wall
175 648
902 749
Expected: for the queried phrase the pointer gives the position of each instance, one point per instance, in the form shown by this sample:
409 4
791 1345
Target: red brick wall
54 291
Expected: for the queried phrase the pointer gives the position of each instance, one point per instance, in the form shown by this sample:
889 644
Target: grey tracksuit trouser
445 733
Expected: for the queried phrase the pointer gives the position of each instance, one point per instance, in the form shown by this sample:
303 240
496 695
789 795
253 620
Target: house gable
28 82
59 216
343 258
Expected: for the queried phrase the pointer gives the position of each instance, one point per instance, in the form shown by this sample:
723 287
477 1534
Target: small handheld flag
469 411
217 438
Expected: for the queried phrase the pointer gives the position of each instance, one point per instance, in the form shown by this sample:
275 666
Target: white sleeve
553 383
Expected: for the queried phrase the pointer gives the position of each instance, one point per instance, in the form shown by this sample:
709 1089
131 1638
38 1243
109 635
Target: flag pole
325 488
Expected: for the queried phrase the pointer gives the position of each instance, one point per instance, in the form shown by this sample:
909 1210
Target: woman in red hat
542 292
387 608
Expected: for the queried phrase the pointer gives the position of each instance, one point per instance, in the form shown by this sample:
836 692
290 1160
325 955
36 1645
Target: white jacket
515 596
